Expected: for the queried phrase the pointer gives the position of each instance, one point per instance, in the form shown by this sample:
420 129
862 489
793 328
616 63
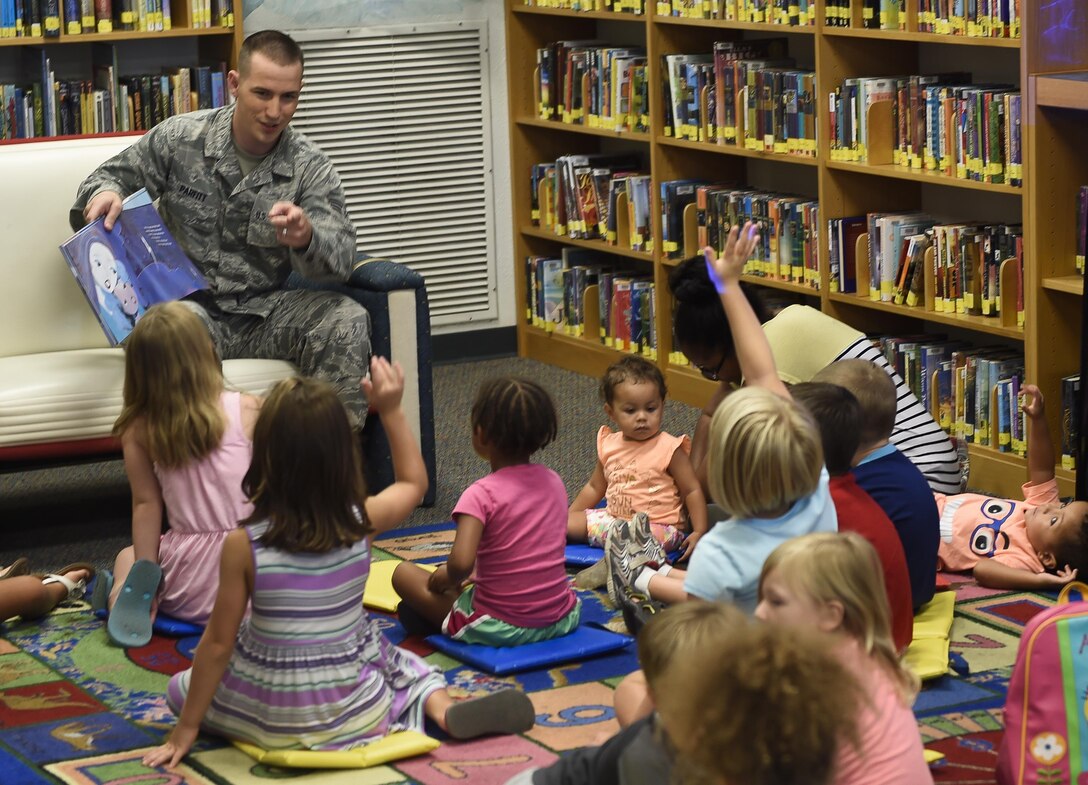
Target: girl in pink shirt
187 445
640 468
832 583
511 534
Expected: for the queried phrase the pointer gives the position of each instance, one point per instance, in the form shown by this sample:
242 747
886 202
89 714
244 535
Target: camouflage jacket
220 217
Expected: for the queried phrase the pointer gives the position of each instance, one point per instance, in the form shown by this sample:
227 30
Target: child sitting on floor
307 669
511 534
838 416
187 446
640 468
744 703
1038 544
830 583
886 474
765 469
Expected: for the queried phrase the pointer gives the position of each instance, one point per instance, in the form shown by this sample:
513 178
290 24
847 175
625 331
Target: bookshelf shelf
785 286
981 324
932 178
727 149
610 16
593 245
1049 67
1063 91
118 36
556 125
723 24
1070 284
922 38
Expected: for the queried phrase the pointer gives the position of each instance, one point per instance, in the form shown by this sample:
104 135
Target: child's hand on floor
177 746
1059 578
688 547
385 387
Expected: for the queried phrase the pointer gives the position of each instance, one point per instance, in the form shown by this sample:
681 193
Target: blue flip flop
129 624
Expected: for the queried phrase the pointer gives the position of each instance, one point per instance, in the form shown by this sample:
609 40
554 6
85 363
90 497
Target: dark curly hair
515 415
631 368
1073 550
698 318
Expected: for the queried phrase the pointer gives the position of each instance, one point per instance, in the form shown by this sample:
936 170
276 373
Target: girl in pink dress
187 446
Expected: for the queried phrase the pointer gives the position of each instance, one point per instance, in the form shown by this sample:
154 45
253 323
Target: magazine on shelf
125 271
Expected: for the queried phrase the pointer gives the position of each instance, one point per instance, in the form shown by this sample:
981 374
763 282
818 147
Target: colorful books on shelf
746 93
796 13
584 294
615 6
789 230
48 106
974 19
585 83
124 271
588 197
935 123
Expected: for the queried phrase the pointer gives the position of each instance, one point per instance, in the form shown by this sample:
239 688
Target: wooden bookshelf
1052 75
209 46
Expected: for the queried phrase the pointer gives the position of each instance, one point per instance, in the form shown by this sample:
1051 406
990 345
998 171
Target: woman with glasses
804 341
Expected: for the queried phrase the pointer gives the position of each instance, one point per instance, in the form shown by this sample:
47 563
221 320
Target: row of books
616 6
966 261
973 391
746 93
781 12
47 18
878 14
1082 229
1071 414
594 197
599 86
938 123
789 227
970 18
585 295
108 103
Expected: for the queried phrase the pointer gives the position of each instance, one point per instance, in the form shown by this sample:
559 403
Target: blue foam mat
586 641
582 555
166 625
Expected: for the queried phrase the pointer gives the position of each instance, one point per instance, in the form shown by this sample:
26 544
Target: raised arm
384 390
1040 445
751 344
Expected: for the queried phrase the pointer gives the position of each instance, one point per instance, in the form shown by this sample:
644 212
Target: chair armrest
395 296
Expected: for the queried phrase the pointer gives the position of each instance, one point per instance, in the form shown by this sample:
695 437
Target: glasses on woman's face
713 374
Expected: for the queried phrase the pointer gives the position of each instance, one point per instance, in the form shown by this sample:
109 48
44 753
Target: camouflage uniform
221 220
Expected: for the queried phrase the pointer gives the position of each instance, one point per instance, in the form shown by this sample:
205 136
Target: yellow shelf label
74 28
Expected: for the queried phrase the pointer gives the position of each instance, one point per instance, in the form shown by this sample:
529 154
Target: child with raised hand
511 534
1038 544
830 583
187 445
738 703
765 468
308 669
640 469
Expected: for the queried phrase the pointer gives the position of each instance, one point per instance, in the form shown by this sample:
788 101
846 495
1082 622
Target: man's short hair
278 47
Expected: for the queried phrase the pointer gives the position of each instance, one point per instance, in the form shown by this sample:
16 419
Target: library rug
76 710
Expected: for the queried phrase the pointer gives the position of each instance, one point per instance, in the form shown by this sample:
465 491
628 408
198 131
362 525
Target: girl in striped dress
307 669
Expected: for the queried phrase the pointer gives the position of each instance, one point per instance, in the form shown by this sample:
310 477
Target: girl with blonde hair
187 444
833 584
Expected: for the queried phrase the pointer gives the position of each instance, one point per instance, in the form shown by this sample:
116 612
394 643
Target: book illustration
125 271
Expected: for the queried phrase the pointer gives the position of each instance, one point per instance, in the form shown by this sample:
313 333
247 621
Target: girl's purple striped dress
310 669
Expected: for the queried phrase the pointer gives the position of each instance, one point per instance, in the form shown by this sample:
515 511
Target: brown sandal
15 569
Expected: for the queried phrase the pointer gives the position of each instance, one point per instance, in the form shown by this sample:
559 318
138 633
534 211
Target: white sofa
60 383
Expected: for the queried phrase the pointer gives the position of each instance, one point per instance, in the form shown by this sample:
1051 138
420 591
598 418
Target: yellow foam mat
927 654
395 746
932 756
379 593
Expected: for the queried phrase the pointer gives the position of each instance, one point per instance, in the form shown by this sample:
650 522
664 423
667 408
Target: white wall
294 15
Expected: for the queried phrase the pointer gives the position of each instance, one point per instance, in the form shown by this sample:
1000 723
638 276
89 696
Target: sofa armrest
395 296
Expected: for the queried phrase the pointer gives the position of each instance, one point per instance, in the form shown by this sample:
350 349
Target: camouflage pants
324 334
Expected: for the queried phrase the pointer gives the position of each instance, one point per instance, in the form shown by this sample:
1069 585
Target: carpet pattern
78 711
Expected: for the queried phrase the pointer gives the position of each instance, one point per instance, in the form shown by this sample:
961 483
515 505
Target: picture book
125 271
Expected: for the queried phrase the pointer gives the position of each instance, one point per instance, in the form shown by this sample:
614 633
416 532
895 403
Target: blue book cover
125 271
